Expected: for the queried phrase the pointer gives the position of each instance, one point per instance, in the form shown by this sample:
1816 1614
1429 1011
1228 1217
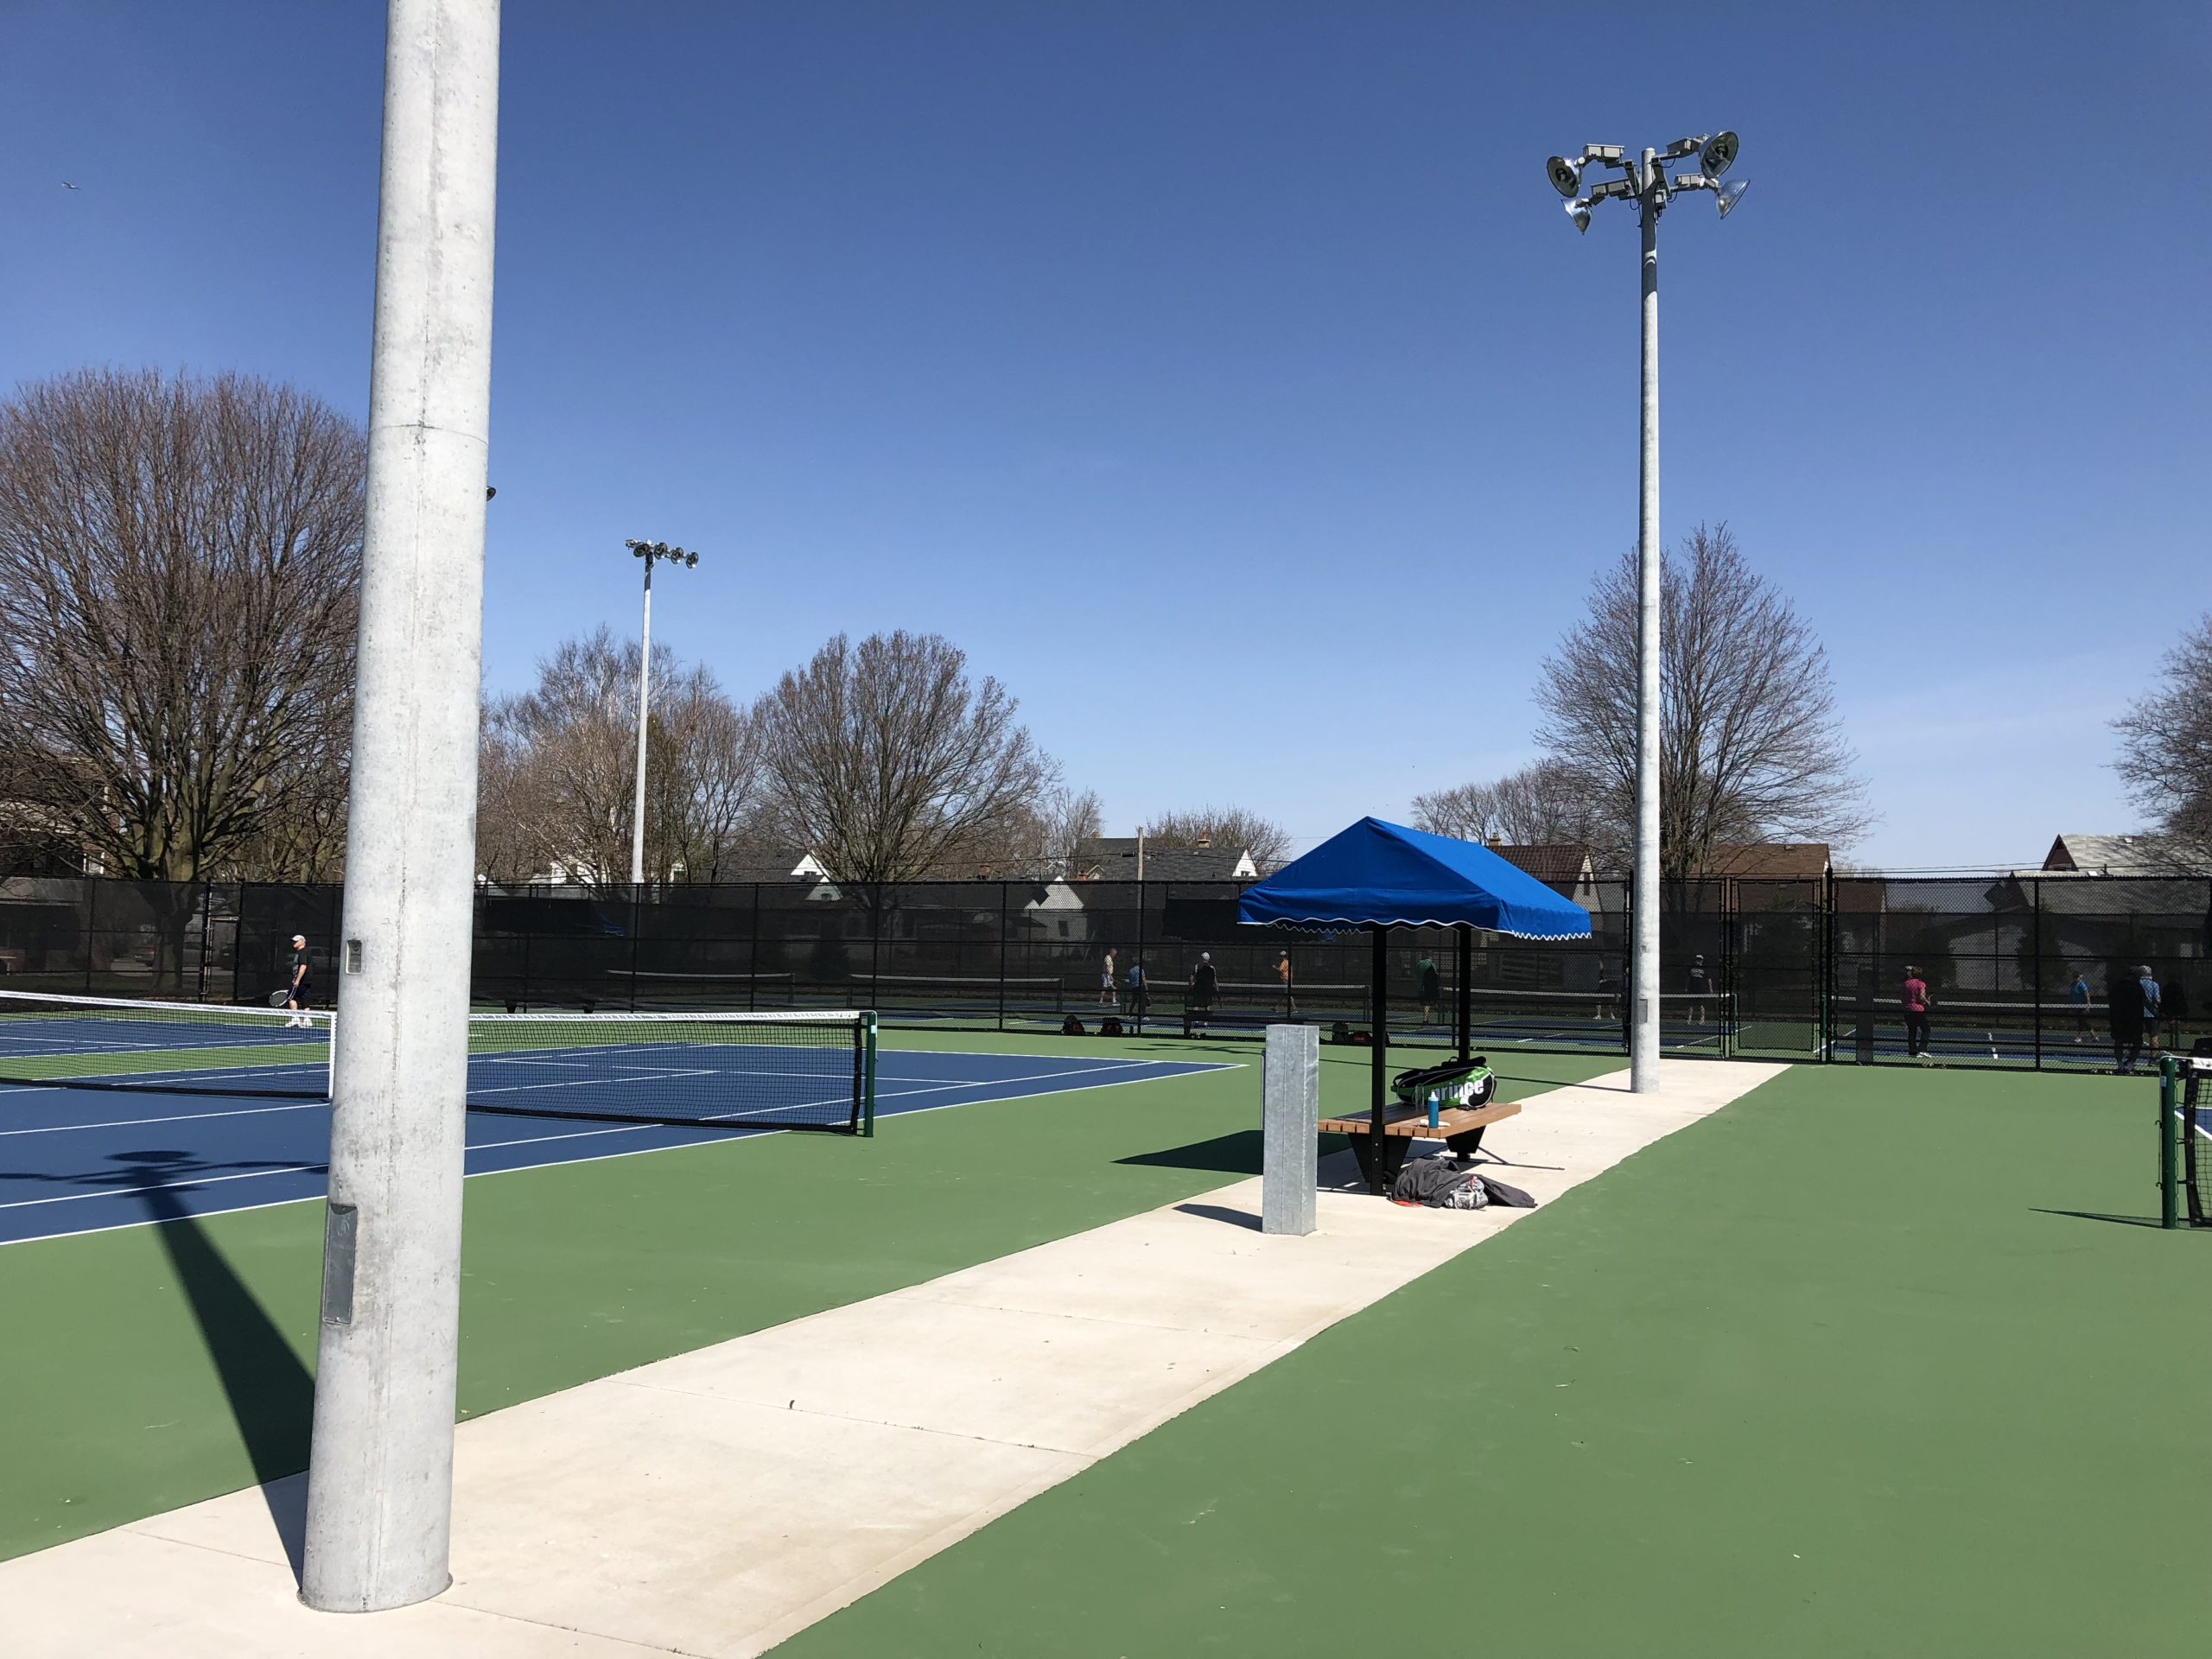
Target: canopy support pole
1379 1065
1466 994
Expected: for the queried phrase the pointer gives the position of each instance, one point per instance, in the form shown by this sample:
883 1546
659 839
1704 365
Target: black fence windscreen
2027 971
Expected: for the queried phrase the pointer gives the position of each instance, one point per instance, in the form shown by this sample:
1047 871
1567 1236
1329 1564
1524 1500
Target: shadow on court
1238 1153
270 1391
2094 1214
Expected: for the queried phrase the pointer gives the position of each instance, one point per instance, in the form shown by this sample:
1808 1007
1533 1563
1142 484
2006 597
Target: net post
867 1074
2169 1171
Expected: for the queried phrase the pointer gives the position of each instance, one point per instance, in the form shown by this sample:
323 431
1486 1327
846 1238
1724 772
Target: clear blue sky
1224 377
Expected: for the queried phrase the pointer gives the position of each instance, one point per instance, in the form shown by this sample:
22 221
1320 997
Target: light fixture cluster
651 551
1645 179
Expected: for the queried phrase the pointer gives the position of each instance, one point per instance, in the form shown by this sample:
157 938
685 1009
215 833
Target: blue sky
1224 378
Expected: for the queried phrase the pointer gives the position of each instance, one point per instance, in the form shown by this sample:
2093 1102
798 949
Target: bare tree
1038 841
1542 804
887 763
2165 741
1234 827
1750 749
179 561
558 770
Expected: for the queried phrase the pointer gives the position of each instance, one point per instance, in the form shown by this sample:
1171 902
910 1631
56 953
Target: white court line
1194 1069
192 1117
160 1187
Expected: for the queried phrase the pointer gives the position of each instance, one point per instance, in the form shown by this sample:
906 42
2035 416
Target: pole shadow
269 1388
2094 1214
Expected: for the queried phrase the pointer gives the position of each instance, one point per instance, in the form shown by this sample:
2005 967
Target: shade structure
1381 875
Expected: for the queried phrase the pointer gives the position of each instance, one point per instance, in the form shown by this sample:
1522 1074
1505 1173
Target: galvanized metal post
1644 1009
1290 1135
380 1472
645 685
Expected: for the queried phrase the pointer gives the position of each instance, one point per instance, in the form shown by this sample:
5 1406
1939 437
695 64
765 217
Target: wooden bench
1459 1128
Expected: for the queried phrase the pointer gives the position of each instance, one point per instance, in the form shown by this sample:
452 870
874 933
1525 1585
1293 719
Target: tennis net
814 1070
810 1069
96 1042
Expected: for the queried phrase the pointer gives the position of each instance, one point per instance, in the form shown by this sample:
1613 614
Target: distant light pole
649 552
1645 182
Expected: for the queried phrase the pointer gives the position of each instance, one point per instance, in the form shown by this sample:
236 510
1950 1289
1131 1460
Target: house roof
1114 858
2139 855
1563 861
1805 860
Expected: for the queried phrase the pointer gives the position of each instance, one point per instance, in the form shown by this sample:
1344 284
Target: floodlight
1725 196
1579 211
1601 152
1718 156
691 561
1565 175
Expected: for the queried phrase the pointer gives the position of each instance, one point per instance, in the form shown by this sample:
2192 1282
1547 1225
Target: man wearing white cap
296 986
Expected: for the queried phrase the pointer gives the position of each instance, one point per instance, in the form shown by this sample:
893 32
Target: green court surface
1868 1364
153 1366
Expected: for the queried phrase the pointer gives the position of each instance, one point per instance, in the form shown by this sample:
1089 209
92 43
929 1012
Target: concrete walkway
715 1503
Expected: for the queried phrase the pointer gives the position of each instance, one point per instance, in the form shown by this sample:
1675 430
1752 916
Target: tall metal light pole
650 552
1645 181
380 1466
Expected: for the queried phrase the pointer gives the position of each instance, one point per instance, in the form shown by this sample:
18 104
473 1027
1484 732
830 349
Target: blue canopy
1385 872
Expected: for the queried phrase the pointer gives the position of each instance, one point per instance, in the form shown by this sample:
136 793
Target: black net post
1466 965
1005 928
2169 1131
1378 1067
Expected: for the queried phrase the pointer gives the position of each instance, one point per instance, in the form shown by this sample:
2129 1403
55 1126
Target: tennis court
1869 1361
115 1114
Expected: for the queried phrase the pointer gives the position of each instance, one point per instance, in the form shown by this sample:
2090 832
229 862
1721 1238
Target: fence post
1004 927
875 946
1143 998
2035 970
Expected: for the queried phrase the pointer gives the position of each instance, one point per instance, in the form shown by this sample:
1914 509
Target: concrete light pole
1645 182
380 1469
649 552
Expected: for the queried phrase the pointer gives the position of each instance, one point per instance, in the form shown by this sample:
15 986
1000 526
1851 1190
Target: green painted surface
154 1366
1834 1373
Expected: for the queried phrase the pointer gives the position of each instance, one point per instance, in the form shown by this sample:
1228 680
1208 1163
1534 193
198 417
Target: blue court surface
78 1160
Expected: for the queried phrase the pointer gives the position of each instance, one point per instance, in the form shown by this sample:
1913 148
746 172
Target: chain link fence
2031 971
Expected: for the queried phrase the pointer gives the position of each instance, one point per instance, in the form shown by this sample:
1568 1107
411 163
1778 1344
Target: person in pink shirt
1915 1015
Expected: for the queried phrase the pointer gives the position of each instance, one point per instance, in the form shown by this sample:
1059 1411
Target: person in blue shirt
2078 994
1140 998
2150 989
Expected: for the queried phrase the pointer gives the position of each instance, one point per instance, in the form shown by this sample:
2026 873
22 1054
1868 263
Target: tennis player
296 985
1915 1015
1204 982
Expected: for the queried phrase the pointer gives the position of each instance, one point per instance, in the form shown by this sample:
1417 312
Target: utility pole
380 1467
1645 182
650 552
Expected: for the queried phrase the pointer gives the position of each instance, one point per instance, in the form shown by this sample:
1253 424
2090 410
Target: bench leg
1381 1179
1468 1143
